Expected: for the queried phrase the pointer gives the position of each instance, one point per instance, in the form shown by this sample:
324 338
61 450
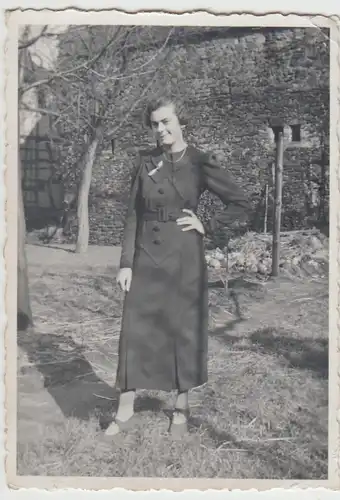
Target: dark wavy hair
164 100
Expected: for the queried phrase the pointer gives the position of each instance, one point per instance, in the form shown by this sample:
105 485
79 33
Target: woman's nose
161 127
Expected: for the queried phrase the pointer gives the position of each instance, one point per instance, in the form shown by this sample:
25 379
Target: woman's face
165 125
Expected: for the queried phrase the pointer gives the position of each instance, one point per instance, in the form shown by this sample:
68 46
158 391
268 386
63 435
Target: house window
296 133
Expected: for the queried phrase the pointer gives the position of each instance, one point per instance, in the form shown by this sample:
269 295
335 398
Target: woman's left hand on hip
191 222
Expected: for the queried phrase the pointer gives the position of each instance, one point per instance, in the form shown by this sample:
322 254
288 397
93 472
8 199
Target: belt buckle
162 214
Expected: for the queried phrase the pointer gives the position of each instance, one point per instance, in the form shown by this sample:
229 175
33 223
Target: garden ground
263 413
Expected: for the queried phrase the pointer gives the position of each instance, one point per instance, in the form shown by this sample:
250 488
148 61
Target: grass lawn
262 415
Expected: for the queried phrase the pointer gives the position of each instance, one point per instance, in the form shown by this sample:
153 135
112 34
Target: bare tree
102 76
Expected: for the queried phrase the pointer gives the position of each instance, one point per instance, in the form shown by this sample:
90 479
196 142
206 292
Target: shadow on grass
68 375
71 381
220 332
279 459
302 353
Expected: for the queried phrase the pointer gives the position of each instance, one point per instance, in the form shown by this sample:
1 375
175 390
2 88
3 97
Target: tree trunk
83 196
24 313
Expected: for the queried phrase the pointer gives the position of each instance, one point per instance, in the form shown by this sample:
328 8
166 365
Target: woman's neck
176 147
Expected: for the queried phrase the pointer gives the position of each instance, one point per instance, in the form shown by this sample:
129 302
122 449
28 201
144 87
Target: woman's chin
166 142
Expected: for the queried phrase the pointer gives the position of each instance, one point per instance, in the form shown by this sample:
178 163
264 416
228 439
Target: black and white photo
173 243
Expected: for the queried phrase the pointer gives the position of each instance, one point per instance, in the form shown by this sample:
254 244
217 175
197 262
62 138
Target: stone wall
234 86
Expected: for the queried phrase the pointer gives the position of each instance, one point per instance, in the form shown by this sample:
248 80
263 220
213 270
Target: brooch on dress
159 166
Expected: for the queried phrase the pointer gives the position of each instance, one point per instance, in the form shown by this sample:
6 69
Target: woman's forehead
162 113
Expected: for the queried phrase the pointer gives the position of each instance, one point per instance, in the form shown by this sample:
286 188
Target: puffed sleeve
130 227
219 181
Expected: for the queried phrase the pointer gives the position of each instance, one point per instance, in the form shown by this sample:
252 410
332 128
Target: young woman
163 343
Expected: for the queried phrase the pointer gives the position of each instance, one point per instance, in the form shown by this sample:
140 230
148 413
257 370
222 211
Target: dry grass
263 413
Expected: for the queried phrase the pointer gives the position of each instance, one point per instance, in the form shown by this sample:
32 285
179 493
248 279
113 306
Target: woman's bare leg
124 413
126 405
182 403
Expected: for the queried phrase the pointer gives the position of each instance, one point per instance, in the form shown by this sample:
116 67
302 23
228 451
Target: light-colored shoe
178 430
118 426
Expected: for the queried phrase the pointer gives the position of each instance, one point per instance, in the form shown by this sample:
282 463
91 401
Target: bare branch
60 116
85 65
56 93
42 111
158 51
124 77
84 42
135 70
112 132
113 39
25 45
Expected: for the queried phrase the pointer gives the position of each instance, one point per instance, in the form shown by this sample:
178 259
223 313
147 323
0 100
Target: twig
115 130
123 77
232 449
104 397
303 299
83 375
268 440
27 44
85 65
223 444
135 70
25 107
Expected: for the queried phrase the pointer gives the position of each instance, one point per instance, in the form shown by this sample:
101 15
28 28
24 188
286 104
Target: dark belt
162 214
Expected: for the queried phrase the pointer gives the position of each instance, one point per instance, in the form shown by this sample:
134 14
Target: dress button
157 242
161 191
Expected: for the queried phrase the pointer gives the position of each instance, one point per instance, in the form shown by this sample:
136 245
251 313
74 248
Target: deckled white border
309 7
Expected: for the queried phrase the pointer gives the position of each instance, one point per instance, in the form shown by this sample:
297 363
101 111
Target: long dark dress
163 342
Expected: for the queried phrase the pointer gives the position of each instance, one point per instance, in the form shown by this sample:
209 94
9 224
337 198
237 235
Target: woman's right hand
124 278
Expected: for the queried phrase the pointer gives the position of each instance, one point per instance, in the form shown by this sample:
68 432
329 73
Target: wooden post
265 210
273 194
273 174
226 281
277 205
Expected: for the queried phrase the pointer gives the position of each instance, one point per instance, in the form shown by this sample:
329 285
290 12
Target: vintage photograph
173 251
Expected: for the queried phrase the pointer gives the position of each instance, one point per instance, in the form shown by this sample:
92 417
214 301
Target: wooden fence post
265 210
277 205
